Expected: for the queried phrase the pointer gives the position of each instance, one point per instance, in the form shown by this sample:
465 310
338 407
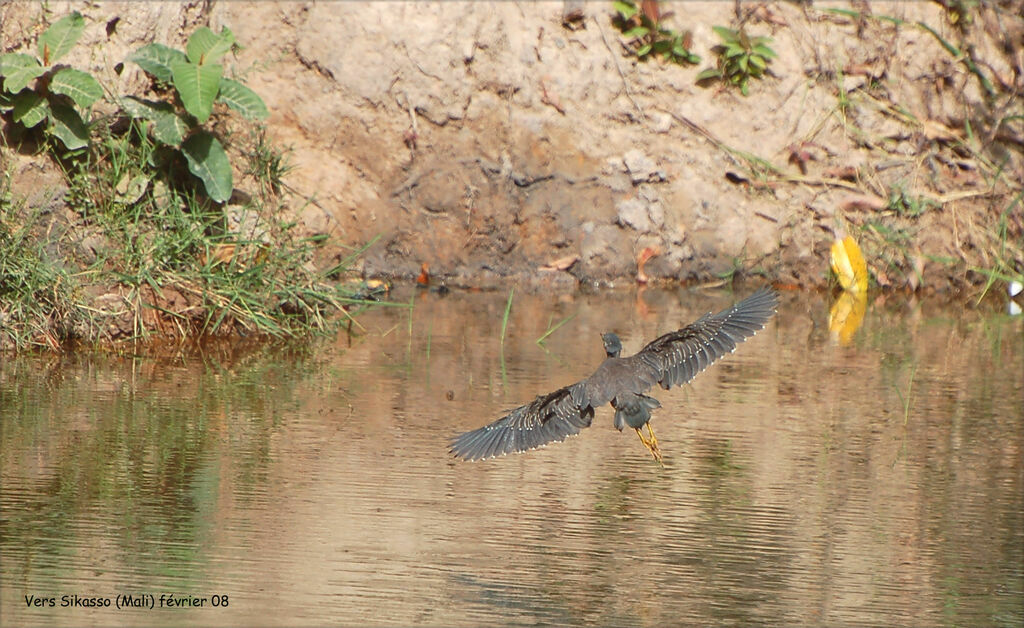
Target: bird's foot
651 445
654 439
655 450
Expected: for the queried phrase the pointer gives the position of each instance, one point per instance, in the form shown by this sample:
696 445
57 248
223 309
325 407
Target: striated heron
670 360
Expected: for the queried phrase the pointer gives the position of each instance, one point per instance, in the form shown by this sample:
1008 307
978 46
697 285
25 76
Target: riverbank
499 143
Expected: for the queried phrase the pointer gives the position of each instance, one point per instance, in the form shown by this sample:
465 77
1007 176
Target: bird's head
612 344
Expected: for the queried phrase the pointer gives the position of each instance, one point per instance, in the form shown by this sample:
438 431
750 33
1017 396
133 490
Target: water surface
806 482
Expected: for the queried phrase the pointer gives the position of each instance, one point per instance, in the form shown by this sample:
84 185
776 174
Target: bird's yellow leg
655 450
654 439
652 446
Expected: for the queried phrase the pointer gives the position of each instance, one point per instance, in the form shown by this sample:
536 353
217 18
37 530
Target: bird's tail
633 410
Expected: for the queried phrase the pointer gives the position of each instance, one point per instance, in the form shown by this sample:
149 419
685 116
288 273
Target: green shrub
144 230
197 76
36 91
649 36
739 58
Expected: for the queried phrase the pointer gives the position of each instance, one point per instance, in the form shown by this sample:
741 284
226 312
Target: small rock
661 122
648 193
109 302
91 246
600 252
677 234
633 212
656 213
316 220
639 165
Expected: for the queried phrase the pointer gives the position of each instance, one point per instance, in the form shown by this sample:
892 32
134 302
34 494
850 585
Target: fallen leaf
646 254
562 263
765 14
864 203
844 173
937 131
848 265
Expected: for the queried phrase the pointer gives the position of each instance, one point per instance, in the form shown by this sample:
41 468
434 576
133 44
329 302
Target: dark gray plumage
670 360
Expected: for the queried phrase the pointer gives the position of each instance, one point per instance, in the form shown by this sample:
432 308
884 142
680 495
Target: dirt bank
493 139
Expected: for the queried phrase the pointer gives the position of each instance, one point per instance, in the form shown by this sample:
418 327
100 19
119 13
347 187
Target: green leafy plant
648 36
145 250
36 91
740 57
197 76
906 204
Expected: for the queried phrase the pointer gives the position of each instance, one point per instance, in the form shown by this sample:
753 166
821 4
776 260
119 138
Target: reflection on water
879 482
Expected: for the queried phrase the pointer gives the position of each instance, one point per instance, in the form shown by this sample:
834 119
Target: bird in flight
670 360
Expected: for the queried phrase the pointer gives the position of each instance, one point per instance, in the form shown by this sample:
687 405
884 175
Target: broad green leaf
682 54
757 62
710 73
19 70
142 109
242 99
208 161
68 127
764 51
56 41
644 50
636 31
743 62
726 34
205 46
743 88
30 109
157 60
625 9
80 86
169 128
733 50
198 86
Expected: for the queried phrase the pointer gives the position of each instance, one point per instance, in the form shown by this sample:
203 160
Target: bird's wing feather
547 419
678 356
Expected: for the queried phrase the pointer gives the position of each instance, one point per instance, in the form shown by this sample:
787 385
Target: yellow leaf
848 265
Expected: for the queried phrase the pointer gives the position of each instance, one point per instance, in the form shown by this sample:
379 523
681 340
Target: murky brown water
315 488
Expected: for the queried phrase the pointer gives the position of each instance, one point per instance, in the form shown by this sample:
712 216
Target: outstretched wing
549 418
678 356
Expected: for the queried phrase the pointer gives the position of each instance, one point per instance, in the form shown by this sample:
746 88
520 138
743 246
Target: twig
625 84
